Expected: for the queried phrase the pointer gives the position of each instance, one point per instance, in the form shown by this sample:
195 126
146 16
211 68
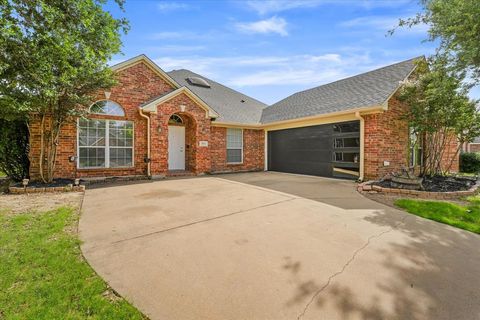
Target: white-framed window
415 149
107 107
234 145
105 143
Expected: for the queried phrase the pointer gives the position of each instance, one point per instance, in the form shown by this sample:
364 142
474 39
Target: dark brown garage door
330 150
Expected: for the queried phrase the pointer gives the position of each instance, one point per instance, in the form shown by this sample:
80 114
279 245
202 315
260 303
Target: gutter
269 125
148 141
362 144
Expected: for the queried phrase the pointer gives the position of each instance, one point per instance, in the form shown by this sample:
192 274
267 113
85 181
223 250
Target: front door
176 148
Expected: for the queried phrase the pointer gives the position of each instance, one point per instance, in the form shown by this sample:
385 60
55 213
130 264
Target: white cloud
383 24
167 6
176 48
245 71
273 6
165 35
269 6
272 25
271 78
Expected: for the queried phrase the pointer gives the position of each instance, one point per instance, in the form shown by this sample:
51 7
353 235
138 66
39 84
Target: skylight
196 81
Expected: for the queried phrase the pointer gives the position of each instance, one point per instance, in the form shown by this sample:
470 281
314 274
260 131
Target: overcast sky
273 48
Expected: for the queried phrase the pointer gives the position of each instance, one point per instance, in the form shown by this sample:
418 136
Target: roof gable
365 90
149 63
151 105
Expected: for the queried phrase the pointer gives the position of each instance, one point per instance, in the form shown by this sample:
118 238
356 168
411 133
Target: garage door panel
315 150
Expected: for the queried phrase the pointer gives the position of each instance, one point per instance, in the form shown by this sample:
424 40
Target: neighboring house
158 123
472 146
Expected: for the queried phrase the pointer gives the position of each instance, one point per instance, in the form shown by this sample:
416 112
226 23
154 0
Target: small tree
440 112
53 58
456 25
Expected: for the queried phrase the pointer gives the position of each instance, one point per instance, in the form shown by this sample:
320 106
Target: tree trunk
42 148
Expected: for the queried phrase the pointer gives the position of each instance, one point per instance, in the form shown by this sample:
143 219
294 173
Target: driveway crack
344 267
204 220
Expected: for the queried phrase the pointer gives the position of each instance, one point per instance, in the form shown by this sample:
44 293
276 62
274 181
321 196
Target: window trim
413 160
106 114
226 147
106 147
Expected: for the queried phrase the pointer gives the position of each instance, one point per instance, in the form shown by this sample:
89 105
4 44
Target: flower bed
58 185
439 189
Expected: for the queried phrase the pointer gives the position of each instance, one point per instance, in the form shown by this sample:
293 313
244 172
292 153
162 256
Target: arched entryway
181 142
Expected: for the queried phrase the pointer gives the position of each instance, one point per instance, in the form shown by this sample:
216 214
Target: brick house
473 146
156 123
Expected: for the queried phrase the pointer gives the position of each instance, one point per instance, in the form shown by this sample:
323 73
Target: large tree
53 58
440 112
456 25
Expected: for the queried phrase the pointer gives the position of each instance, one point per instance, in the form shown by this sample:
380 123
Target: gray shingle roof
364 90
225 101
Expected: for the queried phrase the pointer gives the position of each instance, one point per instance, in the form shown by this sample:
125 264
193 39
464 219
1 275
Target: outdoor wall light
159 129
71 158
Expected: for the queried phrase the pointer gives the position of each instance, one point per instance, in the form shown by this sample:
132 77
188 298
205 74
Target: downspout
362 145
140 110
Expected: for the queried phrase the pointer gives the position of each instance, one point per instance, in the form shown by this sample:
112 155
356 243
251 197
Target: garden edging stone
370 187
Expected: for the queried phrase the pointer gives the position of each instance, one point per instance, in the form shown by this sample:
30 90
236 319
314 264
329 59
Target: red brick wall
197 129
472 147
450 154
253 150
68 137
137 84
386 139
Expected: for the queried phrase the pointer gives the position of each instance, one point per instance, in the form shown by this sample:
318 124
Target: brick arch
198 129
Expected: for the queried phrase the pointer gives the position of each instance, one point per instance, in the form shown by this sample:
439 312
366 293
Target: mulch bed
438 183
40 184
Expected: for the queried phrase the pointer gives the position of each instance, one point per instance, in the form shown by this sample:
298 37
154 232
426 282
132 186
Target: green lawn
463 217
43 274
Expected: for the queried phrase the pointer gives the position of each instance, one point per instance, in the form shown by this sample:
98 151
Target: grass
44 276
463 217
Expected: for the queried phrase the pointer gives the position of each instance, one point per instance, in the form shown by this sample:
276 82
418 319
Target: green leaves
54 51
53 60
456 24
440 111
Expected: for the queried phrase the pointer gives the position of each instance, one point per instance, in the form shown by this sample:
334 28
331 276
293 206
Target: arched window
175 119
107 107
105 143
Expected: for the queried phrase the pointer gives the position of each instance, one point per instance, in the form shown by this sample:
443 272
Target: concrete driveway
276 246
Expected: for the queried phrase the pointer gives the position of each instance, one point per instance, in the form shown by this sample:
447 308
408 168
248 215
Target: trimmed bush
470 162
14 149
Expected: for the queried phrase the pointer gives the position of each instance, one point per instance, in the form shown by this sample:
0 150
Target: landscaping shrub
470 162
14 149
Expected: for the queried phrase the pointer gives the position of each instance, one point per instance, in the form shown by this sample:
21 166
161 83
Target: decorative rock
15 190
367 187
30 190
